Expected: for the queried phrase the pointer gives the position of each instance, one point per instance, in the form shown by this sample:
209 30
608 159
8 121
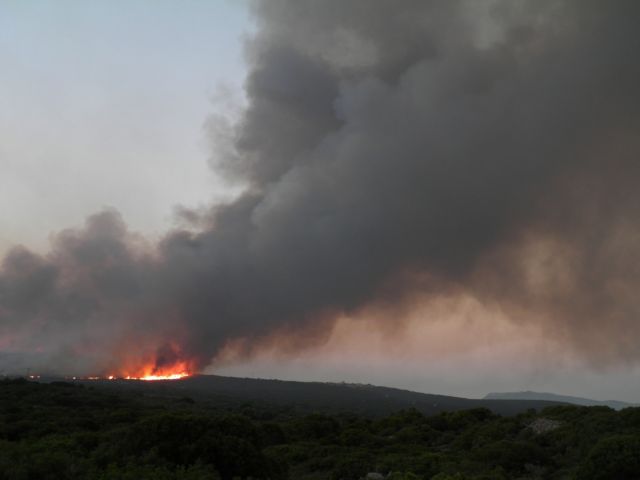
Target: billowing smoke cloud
390 150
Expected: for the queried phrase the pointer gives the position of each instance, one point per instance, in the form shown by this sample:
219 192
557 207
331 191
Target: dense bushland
62 431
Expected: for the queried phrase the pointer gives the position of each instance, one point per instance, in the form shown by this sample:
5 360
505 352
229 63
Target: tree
615 457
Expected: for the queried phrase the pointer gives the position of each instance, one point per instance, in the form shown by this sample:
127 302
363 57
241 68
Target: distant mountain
552 397
314 396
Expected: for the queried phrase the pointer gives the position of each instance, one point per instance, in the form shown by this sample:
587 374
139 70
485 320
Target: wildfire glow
164 371
166 363
171 376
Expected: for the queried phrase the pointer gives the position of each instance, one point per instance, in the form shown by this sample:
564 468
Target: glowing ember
172 376
168 376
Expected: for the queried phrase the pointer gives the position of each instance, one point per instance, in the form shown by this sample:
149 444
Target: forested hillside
63 431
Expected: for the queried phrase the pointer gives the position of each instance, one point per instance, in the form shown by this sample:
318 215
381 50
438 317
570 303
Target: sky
440 196
103 104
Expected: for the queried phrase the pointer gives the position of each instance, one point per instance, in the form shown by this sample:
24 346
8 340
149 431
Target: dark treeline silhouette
308 397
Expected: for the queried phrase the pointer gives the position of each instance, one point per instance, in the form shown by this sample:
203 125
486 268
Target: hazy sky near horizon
102 104
441 196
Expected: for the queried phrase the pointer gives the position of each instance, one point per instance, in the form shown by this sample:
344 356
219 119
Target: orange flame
152 371
166 362
171 376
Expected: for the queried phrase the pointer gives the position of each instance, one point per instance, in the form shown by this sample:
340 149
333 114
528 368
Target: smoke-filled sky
436 195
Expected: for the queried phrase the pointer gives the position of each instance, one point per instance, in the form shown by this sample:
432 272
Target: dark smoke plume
389 148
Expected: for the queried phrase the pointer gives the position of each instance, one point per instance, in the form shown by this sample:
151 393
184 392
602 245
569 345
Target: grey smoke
383 142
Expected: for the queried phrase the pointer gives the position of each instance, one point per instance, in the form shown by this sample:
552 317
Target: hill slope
316 396
552 397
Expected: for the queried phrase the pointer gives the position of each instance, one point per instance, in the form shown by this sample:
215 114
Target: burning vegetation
152 377
167 363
